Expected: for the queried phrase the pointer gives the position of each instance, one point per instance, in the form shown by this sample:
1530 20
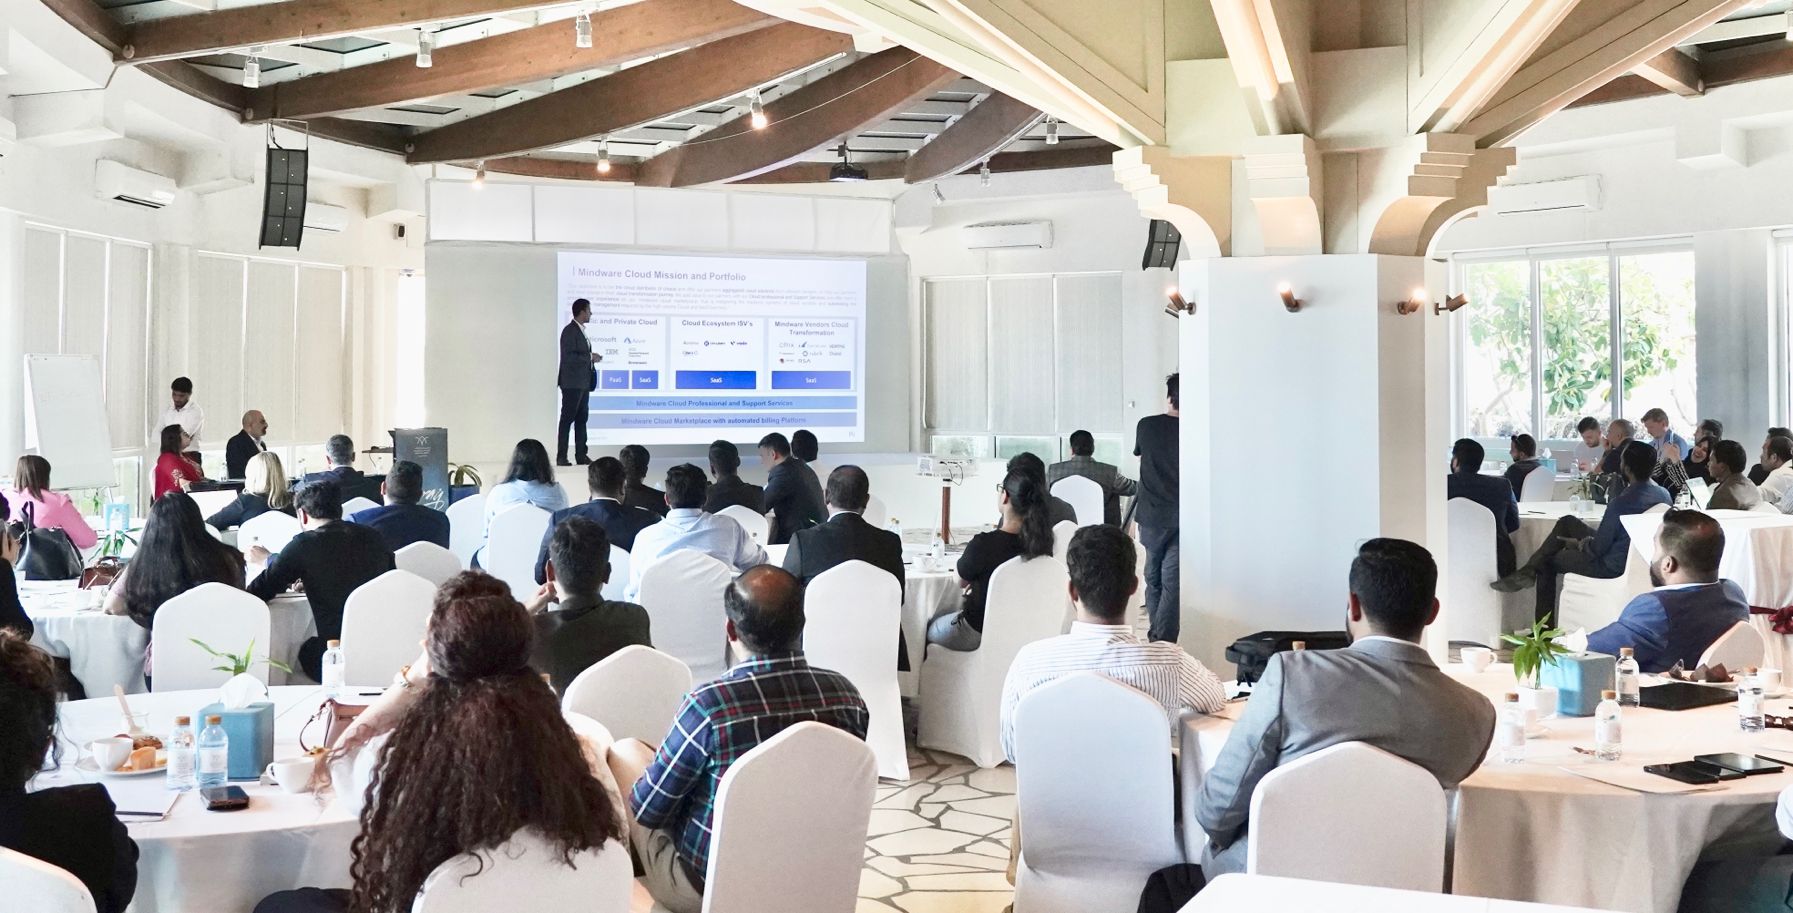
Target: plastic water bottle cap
213 720
1609 695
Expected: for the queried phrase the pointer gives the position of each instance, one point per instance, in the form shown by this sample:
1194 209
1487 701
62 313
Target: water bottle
332 669
214 753
1607 731
938 550
1627 678
1749 701
1510 730
1684 500
182 774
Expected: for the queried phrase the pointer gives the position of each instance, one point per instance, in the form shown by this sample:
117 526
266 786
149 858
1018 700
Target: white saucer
87 765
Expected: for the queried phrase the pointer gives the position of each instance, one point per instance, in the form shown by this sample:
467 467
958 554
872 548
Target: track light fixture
1051 130
939 197
479 175
1412 303
1450 304
983 174
252 70
1287 294
426 46
604 157
1176 306
757 112
582 30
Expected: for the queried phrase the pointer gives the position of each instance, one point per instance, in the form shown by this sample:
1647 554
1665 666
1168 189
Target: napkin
1575 641
241 691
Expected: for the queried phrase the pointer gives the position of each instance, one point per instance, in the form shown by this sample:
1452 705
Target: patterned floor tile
937 842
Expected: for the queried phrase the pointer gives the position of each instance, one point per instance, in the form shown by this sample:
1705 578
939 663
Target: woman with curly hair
468 748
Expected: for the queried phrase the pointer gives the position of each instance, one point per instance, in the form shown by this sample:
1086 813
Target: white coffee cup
1770 679
1478 659
110 754
292 775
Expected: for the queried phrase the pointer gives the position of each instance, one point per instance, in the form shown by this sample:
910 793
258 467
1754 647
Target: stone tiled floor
939 842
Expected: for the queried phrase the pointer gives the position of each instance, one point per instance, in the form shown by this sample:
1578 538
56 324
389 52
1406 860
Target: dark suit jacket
402 524
847 537
578 633
1114 485
332 560
1734 493
620 523
1517 472
647 498
1494 493
245 508
76 829
238 451
353 482
575 358
1663 627
793 498
731 490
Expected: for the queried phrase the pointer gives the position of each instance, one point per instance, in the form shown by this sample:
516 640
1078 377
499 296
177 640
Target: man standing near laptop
576 381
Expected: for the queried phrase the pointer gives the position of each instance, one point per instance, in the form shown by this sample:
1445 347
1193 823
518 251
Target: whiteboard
65 419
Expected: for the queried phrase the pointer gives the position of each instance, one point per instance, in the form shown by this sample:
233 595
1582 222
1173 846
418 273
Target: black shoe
561 461
583 461
1514 582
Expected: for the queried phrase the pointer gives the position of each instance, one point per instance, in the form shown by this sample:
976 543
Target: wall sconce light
1288 297
1450 304
1413 302
1176 306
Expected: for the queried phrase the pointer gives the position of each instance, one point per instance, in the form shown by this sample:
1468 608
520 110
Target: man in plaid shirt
674 799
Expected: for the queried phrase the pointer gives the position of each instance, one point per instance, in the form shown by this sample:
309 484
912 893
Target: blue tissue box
1578 679
251 733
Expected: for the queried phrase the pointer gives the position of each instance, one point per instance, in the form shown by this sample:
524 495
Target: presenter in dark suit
575 380
245 444
606 508
847 537
1689 610
401 520
791 490
1493 492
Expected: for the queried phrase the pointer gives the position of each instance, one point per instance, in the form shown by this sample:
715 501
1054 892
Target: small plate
88 765
1536 731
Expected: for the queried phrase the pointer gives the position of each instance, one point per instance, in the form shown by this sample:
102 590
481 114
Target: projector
847 171
954 471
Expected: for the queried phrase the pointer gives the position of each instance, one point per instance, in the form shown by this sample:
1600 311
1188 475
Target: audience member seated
12 611
807 449
471 748
49 509
689 526
174 471
604 476
1740 883
673 801
339 457
582 627
1084 463
1759 473
1101 560
528 480
1669 471
175 553
1690 607
1697 463
1731 489
264 489
74 828
331 558
1466 481
1025 533
636 491
1575 548
1777 458
793 496
1523 448
245 444
729 490
401 520
1588 454
1058 509
1618 433
1656 422
1383 690
847 537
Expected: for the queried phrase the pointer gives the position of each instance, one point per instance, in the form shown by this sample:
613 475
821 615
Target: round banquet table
195 861
1537 831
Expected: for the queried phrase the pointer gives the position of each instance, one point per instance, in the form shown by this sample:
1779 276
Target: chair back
1091 841
853 615
428 560
271 530
383 623
1737 649
217 614
511 546
354 506
1350 813
618 585
635 692
466 527
877 513
600 880
1539 485
1062 531
758 528
40 887
773 789
1085 496
682 592
1472 611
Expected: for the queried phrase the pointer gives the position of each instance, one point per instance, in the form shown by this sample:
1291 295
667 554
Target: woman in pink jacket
49 509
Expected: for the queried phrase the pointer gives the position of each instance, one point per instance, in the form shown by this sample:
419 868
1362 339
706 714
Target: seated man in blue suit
605 479
1493 492
1690 608
401 520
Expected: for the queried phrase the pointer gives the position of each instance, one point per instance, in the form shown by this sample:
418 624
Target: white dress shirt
691 528
1776 485
191 418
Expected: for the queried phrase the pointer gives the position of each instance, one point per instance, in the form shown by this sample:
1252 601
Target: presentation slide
699 348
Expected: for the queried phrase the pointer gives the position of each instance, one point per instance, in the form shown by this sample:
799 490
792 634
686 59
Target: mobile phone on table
1692 772
1747 765
224 798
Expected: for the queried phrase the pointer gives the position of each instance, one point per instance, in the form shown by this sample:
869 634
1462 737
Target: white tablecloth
197 861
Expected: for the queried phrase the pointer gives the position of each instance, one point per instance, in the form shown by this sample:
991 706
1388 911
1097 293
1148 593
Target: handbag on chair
104 572
336 717
44 554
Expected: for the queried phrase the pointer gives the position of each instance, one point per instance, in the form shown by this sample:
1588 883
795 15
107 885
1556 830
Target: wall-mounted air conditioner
120 182
994 235
1576 194
324 217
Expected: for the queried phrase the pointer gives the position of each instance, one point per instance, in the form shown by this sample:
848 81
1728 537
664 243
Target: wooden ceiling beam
990 126
638 95
562 169
1717 69
867 91
585 169
1673 70
625 33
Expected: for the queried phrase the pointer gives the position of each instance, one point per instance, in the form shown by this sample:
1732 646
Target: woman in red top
175 472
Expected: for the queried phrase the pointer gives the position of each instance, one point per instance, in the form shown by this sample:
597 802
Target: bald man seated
245 444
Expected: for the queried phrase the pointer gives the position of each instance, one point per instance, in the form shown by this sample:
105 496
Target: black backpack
1252 652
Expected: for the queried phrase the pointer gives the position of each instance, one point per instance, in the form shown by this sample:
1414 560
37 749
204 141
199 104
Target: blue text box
716 380
666 402
613 380
645 380
812 380
723 420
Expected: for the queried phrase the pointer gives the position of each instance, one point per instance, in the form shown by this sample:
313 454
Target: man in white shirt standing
183 411
1777 458
1101 559
688 526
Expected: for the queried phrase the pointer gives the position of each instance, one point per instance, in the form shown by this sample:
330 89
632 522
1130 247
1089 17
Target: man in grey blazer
1083 463
1383 690
575 381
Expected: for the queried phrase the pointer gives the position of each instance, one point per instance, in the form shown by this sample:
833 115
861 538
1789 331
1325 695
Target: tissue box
1578 679
251 733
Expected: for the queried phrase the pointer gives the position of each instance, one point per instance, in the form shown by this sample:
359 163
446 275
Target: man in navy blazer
1690 608
605 478
401 520
1493 492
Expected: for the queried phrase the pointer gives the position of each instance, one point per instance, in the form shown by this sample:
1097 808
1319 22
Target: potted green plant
463 480
1532 651
238 663
113 542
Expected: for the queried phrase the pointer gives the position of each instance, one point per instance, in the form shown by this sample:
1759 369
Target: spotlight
845 170
1176 306
1287 294
252 71
983 174
1450 304
426 45
604 157
757 109
1051 131
479 175
582 30
1413 302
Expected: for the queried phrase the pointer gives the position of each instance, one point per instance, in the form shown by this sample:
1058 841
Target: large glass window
1497 366
1656 297
1576 314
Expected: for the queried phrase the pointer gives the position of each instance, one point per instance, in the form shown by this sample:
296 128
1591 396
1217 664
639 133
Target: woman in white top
1592 449
529 480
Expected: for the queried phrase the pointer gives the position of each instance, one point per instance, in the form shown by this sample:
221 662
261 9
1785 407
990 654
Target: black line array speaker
283 200
1162 243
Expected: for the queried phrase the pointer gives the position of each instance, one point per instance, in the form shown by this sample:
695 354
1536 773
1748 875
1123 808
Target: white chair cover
428 560
1737 649
752 521
853 617
1595 602
40 887
222 616
527 870
682 593
635 692
1472 611
356 505
1091 842
877 513
1353 814
1539 485
383 623
272 531
961 693
466 527
1238 892
1062 531
619 574
1084 494
511 547
774 789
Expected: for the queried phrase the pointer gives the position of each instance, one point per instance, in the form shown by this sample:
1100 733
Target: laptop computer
1684 696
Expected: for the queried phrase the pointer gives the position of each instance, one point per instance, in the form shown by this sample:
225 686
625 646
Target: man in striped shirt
1102 580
